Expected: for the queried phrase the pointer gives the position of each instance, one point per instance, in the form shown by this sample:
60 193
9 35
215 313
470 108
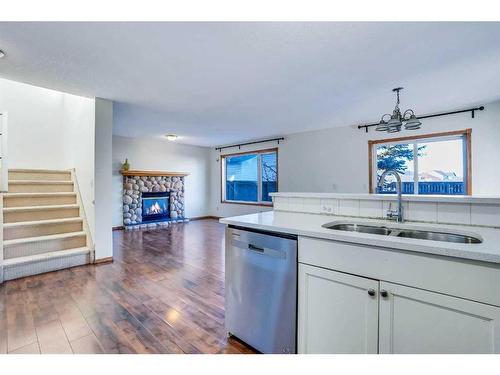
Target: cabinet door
418 321
336 314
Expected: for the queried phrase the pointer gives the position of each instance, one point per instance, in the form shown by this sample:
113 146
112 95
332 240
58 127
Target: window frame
466 134
260 202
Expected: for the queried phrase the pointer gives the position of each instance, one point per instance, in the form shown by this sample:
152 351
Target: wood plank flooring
164 293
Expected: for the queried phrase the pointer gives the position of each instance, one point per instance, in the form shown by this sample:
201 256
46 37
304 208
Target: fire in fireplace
155 206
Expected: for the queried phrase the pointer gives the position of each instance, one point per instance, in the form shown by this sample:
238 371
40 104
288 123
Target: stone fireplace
152 198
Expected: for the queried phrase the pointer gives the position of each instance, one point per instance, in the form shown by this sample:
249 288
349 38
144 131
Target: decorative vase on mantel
126 165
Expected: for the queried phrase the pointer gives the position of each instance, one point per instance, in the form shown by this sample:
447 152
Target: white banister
4 169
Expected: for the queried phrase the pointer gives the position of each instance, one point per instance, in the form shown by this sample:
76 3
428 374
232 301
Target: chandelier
393 123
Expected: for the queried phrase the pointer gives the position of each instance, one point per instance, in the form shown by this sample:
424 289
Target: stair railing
4 169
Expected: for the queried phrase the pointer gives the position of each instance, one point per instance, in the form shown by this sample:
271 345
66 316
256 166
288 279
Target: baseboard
121 227
204 218
104 260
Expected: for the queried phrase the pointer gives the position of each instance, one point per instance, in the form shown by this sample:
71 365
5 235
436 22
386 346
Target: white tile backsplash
484 214
369 208
349 207
281 203
329 206
453 213
441 212
419 211
393 205
311 205
296 205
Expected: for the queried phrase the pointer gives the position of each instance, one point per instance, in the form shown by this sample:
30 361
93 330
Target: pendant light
395 122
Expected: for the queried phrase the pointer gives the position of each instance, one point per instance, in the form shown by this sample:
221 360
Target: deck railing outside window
432 187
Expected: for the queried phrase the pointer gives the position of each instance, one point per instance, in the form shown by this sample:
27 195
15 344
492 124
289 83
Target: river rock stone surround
134 186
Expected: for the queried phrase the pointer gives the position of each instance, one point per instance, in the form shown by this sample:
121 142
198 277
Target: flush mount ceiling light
2 53
171 137
393 123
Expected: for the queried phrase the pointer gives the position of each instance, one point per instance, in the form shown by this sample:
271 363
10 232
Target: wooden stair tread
18 241
28 170
40 182
43 222
41 208
53 254
50 194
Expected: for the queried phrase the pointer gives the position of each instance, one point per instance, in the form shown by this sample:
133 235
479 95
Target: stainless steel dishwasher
261 289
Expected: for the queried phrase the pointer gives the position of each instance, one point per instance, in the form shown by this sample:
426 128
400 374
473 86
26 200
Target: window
432 164
250 177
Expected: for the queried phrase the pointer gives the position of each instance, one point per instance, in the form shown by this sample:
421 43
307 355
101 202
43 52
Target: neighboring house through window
431 164
250 177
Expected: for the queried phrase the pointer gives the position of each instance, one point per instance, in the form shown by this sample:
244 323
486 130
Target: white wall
78 117
336 160
103 181
151 154
51 130
35 125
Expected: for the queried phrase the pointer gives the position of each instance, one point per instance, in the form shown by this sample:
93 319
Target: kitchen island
375 293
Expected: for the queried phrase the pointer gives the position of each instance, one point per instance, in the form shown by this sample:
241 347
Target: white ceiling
218 83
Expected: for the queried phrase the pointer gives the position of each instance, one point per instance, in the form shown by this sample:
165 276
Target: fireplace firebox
155 206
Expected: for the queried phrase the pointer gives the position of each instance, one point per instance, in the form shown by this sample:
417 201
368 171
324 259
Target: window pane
400 158
269 175
242 178
441 168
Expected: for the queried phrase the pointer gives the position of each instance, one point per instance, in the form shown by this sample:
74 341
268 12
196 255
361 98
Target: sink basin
438 236
403 232
361 228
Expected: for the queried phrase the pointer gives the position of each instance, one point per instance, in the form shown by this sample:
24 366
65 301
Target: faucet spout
391 214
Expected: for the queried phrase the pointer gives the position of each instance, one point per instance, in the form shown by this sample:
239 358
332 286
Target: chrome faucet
393 214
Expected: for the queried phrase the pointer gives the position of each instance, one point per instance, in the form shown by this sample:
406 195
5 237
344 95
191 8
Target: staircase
44 223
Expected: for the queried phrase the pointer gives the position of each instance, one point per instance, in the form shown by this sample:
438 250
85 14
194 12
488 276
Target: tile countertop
310 225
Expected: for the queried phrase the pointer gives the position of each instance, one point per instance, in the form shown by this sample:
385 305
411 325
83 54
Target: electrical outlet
327 208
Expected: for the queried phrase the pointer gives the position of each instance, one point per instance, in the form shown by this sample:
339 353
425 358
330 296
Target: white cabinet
418 321
338 313
423 303
343 313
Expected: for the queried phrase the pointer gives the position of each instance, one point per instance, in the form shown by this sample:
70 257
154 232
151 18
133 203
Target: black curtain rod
472 110
251 143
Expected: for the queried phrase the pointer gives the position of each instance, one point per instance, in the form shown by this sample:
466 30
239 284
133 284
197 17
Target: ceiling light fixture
394 122
2 53
171 137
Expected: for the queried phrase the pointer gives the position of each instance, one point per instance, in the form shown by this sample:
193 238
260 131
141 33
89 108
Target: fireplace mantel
143 173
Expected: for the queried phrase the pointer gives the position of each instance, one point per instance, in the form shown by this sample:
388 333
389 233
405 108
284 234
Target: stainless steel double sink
404 232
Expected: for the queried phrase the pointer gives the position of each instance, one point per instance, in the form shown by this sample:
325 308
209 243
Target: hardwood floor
164 293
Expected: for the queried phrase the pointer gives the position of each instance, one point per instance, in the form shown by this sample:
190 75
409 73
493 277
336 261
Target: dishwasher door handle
275 253
255 248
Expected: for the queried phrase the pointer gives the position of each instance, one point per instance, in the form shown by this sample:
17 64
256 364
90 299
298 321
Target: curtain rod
251 143
472 110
